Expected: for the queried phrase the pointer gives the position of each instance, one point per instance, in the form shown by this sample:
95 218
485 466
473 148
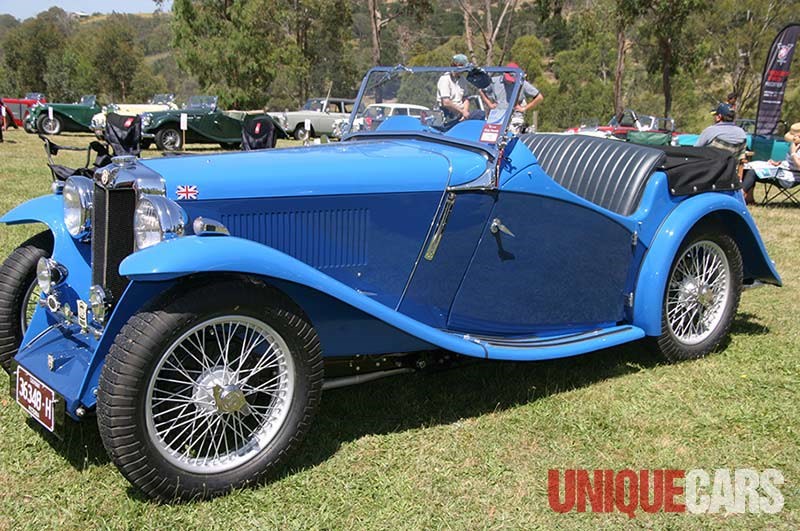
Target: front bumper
60 357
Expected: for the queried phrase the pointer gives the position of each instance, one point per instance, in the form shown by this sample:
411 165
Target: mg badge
105 177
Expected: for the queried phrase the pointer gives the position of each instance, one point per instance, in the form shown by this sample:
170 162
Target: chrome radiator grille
112 237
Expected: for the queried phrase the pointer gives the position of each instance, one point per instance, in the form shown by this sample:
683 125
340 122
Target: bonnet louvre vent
320 238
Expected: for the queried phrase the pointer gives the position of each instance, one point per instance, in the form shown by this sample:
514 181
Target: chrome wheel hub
220 394
698 292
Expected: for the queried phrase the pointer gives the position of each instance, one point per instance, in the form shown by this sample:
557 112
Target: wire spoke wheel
698 292
29 303
171 139
219 394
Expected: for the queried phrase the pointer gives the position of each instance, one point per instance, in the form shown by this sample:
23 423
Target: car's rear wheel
209 391
28 126
169 139
49 126
19 293
701 297
231 146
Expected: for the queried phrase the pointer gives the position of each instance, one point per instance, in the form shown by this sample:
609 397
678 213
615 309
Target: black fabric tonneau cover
693 170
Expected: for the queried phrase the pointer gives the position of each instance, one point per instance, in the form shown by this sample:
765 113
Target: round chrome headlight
78 194
156 219
49 274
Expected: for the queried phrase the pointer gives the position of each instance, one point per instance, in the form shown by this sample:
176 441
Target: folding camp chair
776 190
258 133
62 173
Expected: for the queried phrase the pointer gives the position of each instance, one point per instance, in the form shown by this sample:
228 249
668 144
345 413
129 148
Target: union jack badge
187 191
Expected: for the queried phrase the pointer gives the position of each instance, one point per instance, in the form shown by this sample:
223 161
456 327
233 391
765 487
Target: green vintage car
205 124
66 117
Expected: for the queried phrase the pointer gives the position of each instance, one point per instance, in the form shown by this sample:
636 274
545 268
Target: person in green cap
450 90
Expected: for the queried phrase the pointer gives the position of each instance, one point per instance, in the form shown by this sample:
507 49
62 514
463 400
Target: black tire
49 127
674 343
145 144
138 359
17 280
28 126
230 146
300 132
169 139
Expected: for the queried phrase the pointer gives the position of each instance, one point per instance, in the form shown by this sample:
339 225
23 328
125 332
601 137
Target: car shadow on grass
746 324
424 399
433 398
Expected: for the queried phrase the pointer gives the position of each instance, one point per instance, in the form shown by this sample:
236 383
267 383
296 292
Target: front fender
47 209
227 254
724 210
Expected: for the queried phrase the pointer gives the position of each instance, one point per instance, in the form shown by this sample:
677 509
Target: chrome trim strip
433 246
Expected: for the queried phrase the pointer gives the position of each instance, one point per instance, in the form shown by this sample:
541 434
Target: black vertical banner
773 81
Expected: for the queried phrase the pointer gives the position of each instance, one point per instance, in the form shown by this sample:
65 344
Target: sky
23 9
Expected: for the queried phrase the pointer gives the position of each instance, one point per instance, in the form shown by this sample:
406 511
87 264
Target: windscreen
202 102
435 100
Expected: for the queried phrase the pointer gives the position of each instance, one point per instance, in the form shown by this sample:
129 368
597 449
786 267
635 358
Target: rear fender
194 255
721 209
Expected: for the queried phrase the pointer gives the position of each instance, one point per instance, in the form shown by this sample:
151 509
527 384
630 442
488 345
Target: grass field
464 449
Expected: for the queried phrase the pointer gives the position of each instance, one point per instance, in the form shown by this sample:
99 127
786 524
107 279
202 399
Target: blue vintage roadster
198 305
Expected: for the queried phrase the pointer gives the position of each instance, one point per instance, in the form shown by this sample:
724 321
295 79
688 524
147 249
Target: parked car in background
159 102
321 113
630 121
197 306
374 115
66 117
18 109
206 124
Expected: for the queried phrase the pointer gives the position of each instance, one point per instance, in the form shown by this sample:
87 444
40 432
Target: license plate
38 400
82 310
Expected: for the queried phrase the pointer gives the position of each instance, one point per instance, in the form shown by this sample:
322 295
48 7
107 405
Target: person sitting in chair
724 128
773 169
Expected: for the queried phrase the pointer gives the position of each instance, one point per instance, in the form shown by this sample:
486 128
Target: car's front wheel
19 293
209 391
169 139
701 297
49 126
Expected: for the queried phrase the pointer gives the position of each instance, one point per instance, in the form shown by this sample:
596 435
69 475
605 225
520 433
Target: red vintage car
17 109
630 121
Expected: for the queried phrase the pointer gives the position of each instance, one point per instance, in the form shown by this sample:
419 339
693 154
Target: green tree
624 13
528 52
672 46
28 46
116 58
69 75
238 49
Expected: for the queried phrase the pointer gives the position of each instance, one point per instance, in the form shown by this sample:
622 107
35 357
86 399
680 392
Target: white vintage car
321 114
159 102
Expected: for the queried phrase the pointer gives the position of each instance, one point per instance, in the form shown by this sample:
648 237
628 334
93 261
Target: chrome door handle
497 226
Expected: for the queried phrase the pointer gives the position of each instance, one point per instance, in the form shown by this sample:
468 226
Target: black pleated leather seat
609 173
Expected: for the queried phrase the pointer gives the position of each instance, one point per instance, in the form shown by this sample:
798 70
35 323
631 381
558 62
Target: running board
544 348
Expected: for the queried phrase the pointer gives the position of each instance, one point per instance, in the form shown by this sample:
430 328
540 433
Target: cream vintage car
159 102
321 114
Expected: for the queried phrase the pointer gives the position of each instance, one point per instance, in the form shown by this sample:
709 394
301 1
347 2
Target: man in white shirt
450 91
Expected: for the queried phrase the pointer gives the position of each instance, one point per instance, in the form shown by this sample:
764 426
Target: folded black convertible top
693 170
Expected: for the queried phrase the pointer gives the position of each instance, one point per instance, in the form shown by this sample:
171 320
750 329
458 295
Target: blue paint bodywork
343 230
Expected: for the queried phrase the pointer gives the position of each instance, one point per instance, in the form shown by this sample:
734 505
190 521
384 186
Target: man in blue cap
450 91
724 128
